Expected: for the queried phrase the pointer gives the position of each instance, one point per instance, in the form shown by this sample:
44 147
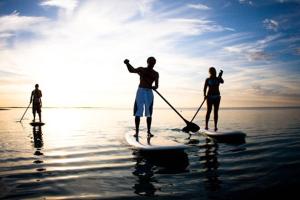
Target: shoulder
140 69
155 73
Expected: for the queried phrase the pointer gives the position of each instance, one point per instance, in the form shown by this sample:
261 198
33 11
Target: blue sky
75 49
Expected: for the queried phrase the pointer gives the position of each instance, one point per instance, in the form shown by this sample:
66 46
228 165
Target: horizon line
125 108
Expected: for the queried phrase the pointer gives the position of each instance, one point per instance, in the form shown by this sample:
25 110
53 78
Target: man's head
36 86
151 62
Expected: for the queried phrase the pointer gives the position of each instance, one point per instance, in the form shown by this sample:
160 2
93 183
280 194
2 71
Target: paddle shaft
170 105
198 109
25 112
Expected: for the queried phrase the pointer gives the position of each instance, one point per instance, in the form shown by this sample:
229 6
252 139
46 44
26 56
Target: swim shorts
144 100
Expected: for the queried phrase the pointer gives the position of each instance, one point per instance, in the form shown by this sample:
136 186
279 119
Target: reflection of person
211 165
38 145
36 101
144 95
213 95
38 137
144 171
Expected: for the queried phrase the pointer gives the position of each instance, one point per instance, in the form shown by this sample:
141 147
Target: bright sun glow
77 56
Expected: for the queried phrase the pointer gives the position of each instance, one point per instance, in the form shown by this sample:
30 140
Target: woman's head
212 72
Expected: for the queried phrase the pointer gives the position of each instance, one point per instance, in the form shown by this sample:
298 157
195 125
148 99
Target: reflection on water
211 164
149 163
38 145
87 156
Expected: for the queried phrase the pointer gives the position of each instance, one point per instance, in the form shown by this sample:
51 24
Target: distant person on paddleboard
36 101
144 95
213 95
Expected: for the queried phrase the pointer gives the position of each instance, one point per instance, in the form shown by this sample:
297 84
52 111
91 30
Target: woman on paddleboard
213 95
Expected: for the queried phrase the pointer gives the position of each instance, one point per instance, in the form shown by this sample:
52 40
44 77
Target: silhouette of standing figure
213 95
36 101
144 95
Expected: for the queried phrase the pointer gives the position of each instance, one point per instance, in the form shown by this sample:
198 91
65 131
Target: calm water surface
81 153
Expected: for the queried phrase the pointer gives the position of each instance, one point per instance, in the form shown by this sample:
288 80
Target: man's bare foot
150 134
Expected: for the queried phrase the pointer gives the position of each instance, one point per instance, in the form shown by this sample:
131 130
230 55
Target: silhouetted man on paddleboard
144 96
213 95
36 101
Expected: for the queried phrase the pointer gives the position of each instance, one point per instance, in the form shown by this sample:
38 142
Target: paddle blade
191 127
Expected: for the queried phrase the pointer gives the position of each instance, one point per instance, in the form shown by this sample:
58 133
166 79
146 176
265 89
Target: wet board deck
37 123
153 143
227 136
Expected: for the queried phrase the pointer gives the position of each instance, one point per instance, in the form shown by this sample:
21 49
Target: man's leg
40 116
149 120
137 125
33 112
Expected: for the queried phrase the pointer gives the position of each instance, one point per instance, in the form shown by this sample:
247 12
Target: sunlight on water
83 153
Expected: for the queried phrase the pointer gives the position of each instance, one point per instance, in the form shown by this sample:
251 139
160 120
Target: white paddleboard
152 143
228 136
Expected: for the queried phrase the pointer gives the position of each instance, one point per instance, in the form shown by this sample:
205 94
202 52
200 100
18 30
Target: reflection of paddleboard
152 143
225 136
37 123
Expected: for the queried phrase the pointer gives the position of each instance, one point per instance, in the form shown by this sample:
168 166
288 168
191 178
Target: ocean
81 153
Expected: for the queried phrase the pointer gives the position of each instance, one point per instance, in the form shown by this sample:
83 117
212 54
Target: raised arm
220 77
129 67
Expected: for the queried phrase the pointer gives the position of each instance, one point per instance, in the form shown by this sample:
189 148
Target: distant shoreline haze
159 108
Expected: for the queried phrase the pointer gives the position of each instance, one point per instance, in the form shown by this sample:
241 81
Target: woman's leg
216 112
209 107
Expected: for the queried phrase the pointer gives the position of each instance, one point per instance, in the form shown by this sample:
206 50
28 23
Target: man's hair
151 60
36 85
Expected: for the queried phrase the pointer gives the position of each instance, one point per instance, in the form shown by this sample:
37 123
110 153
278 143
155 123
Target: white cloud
15 22
284 1
78 60
65 4
84 53
254 51
246 2
259 55
199 6
271 24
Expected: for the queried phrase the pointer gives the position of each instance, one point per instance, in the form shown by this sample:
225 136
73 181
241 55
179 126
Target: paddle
199 109
189 125
186 129
25 112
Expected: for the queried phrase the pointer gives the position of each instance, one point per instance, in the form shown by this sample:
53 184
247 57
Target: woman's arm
205 87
